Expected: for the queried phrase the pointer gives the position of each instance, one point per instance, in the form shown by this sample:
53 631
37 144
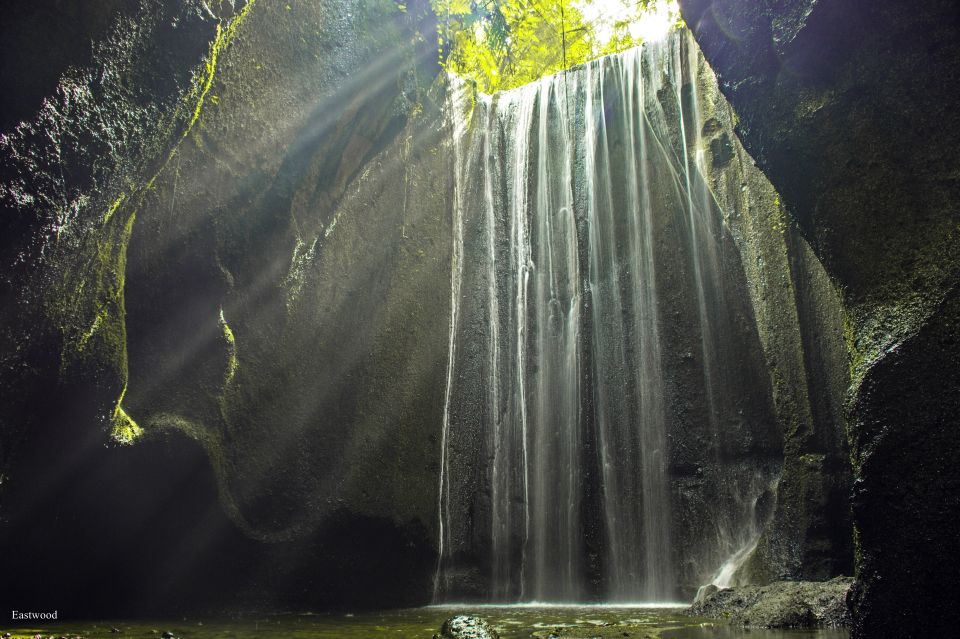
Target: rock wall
800 323
847 107
283 276
796 312
99 128
233 261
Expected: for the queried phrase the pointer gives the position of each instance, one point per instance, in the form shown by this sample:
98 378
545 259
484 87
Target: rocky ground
784 604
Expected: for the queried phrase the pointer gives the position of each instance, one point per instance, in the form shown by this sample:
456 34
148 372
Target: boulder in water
467 627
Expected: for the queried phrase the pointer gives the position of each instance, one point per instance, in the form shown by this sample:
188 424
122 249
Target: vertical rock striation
848 108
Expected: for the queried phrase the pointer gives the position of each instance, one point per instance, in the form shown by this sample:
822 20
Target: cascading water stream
583 227
629 396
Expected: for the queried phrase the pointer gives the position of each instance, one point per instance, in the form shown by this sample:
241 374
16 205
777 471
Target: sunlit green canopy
502 44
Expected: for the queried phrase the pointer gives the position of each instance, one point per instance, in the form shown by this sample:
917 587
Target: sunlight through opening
655 24
649 23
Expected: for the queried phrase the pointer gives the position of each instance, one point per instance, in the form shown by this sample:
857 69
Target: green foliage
502 44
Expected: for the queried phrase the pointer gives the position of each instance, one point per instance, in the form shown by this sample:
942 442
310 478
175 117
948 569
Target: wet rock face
847 107
39 40
844 106
283 281
208 231
784 604
723 441
108 113
799 319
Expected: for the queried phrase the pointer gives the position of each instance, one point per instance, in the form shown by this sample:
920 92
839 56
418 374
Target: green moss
113 208
123 430
858 557
94 290
858 357
859 363
87 301
778 220
231 343
198 96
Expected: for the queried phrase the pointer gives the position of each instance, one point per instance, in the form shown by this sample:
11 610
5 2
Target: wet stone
782 604
467 627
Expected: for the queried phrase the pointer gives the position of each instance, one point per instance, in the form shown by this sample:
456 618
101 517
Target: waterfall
585 235
629 394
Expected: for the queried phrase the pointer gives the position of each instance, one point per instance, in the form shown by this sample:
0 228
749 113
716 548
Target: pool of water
422 623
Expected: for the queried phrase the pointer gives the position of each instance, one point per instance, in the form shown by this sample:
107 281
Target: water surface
513 622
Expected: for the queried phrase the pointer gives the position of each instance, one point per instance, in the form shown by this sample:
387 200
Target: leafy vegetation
502 44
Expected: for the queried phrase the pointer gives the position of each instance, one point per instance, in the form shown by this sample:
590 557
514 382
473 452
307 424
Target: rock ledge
784 604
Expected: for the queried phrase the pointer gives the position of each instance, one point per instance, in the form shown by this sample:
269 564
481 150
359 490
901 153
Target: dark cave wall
847 106
39 40
283 278
170 259
68 504
100 128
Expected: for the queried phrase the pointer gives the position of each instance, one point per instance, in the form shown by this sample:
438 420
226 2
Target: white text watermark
17 615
